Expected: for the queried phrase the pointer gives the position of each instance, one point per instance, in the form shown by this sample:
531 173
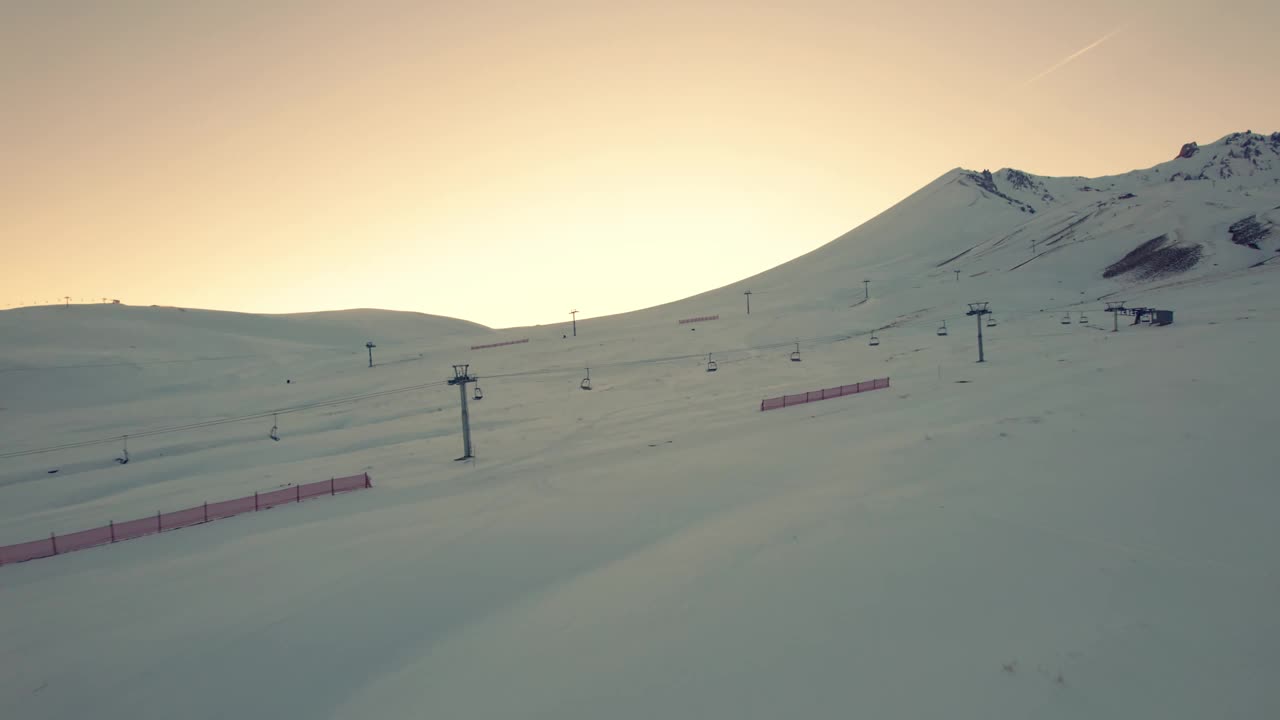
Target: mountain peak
1238 154
1246 144
1021 190
1250 159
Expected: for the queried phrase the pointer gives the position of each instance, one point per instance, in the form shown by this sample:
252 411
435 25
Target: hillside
1026 234
1081 526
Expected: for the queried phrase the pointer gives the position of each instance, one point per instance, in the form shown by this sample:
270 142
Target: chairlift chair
711 364
942 329
795 356
124 459
874 341
477 394
1083 319
586 381
991 321
275 427
1066 319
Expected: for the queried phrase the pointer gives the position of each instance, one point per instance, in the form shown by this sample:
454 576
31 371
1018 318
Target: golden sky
506 162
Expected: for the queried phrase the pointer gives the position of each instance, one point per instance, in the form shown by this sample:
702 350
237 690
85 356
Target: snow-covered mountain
1211 210
1081 526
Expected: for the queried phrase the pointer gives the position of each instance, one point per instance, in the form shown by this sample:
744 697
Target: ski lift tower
1115 308
979 309
371 346
460 378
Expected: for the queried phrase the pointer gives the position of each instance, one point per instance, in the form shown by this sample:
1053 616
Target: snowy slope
1083 526
1004 226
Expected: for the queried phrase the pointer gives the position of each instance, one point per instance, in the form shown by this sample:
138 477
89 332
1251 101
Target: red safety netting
227 508
354 482
311 490
131 529
701 318
182 518
499 344
273 498
84 539
26 551
825 394
152 524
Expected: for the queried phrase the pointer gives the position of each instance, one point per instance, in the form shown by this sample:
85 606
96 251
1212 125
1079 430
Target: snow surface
1083 526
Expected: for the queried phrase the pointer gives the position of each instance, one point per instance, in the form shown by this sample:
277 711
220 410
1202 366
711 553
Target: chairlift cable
824 339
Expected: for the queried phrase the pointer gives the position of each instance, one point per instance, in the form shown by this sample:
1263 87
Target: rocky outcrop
1155 257
987 183
1249 232
1238 154
1019 180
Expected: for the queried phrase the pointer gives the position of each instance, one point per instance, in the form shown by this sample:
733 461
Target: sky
509 161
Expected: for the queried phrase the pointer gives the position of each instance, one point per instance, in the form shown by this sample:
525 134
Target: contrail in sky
1075 55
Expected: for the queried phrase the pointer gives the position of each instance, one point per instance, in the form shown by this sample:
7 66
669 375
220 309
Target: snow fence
160 522
500 344
700 318
824 394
